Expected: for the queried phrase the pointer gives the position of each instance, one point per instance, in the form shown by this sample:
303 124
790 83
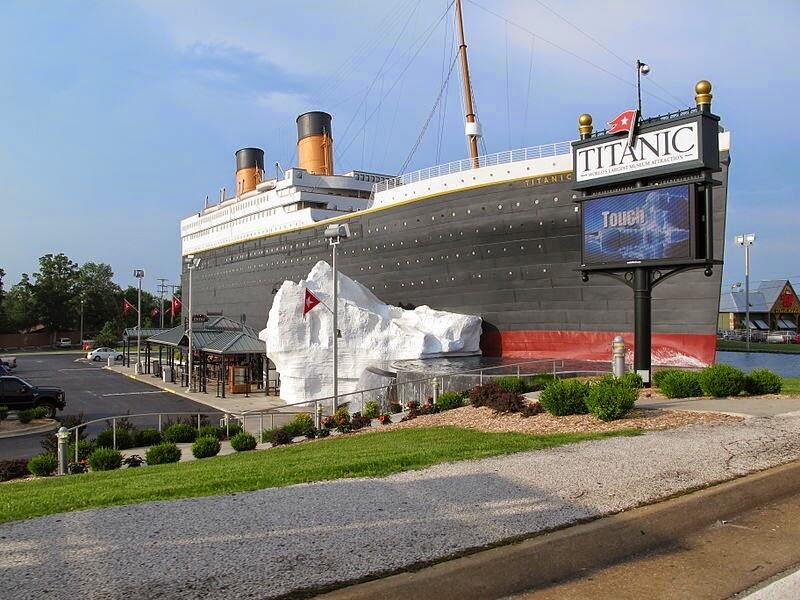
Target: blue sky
119 118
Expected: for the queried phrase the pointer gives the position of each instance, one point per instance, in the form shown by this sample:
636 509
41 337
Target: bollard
435 390
618 356
110 361
63 441
319 415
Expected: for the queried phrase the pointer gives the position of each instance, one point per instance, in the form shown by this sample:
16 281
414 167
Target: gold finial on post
702 98
585 126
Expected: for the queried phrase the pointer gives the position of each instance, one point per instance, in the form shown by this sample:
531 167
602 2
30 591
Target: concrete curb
565 553
52 426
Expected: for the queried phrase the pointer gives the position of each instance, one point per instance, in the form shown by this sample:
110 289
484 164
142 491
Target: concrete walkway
766 406
233 403
272 542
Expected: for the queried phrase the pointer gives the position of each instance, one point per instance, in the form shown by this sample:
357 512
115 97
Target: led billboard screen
650 225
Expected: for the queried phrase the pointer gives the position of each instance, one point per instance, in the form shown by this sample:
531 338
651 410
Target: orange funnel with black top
249 169
315 143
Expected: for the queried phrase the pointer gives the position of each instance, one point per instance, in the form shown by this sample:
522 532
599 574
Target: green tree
101 296
3 319
20 307
109 335
55 289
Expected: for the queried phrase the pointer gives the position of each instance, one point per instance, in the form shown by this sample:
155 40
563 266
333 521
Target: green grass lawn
757 346
791 385
369 455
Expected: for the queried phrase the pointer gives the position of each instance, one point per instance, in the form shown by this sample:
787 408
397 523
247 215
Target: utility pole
139 274
162 287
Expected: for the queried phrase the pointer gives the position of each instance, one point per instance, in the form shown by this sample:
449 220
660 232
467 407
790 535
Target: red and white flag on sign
126 306
176 305
625 121
309 302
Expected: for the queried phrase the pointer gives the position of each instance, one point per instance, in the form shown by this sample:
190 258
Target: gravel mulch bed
485 419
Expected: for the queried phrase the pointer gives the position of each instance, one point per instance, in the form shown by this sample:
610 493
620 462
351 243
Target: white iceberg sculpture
372 334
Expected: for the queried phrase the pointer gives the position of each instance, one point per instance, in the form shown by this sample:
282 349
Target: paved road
92 390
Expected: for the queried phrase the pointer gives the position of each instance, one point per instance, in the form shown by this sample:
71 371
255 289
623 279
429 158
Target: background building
774 306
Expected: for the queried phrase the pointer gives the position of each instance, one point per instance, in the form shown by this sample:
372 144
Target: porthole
499 207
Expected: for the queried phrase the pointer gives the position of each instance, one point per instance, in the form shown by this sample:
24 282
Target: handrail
466 164
409 382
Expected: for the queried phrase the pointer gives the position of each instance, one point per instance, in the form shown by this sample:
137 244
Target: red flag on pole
309 302
154 312
176 305
126 306
624 121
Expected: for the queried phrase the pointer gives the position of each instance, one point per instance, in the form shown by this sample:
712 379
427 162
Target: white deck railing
488 160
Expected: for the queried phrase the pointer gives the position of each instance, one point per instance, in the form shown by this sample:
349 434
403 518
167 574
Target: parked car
779 337
18 394
9 361
64 343
796 339
4 370
99 354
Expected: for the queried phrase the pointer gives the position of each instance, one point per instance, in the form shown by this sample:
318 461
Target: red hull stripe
667 348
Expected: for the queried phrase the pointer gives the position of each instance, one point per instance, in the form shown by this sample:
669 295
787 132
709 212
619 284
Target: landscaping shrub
371 409
105 459
147 437
658 376
25 416
212 430
3 413
565 397
341 418
39 412
133 461
322 433
280 437
721 380
13 469
632 379
243 441
762 381
491 395
539 382
163 453
358 421
205 446
302 424
328 422
385 419
76 468
85 448
105 439
610 399
180 433
680 384
43 465
233 429
512 384
395 407
449 401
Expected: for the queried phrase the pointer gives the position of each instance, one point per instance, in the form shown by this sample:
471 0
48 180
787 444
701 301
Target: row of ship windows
450 279
377 229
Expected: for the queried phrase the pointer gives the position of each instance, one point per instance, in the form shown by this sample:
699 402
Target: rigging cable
570 52
406 68
508 92
428 120
527 96
606 48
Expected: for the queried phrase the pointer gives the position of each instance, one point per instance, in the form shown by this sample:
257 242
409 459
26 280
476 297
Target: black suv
18 394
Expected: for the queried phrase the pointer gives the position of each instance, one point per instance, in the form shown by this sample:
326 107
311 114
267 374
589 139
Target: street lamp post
191 264
139 274
641 69
335 234
746 240
80 341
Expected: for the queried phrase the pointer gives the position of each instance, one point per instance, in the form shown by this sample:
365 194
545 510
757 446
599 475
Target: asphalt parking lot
94 391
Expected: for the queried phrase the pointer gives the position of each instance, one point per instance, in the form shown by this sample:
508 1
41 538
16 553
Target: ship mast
472 127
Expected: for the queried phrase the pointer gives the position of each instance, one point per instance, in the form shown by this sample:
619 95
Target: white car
9 361
99 354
